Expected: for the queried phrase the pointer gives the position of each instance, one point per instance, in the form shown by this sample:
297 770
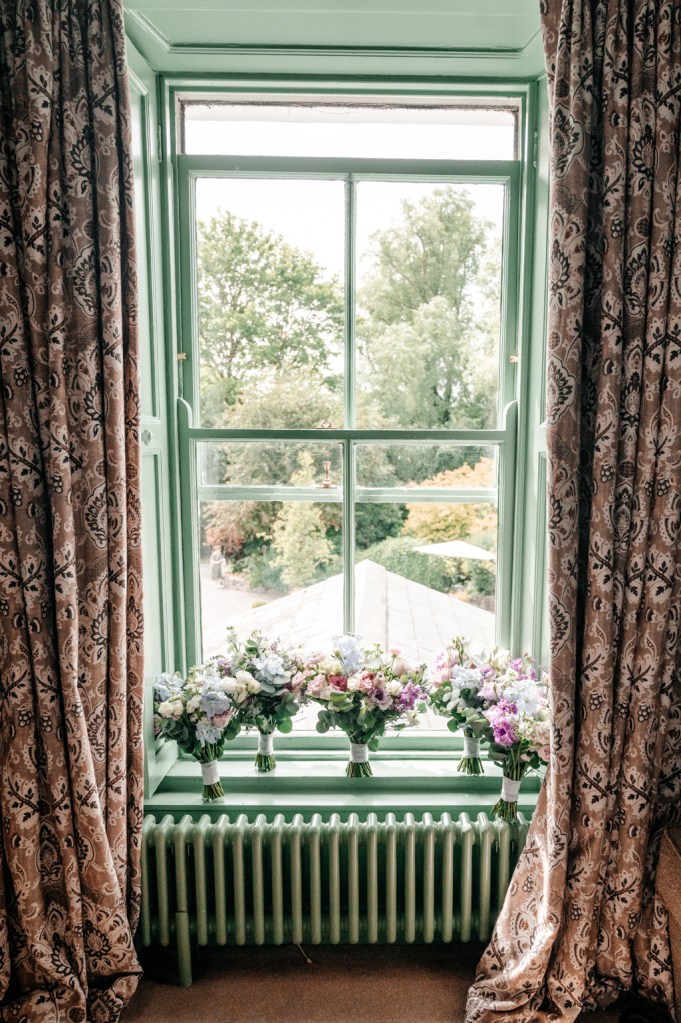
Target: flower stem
470 765
514 770
211 792
359 770
264 758
505 811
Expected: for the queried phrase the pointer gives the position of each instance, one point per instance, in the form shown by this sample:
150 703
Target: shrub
397 554
263 572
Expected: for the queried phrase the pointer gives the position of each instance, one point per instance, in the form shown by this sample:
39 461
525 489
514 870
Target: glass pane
271 565
428 324
426 465
431 577
270 302
271 463
382 131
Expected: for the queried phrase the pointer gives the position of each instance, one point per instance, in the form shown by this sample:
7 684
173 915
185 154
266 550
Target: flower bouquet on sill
456 684
200 715
363 693
268 689
519 716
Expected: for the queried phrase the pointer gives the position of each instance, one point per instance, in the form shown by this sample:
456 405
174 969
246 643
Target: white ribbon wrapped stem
210 772
359 753
471 747
265 744
510 789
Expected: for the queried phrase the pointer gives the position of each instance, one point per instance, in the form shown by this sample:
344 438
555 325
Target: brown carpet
344 984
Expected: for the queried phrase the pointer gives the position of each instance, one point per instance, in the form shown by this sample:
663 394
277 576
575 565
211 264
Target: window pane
383 131
271 565
271 463
426 465
270 302
428 323
432 577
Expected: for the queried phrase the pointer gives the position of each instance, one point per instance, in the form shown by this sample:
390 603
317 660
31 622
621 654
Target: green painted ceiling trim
483 53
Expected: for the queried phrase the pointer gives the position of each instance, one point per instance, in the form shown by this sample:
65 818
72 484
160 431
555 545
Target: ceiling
499 38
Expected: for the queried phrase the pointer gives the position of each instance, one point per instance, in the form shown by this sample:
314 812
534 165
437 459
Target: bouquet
200 714
269 677
457 682
518 713
363 693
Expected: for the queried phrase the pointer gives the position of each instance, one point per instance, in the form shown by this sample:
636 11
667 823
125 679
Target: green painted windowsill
307 785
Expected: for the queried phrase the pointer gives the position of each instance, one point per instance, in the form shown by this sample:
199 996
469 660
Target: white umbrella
458 549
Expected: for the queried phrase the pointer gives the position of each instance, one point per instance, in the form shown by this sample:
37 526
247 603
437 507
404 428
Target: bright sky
310 213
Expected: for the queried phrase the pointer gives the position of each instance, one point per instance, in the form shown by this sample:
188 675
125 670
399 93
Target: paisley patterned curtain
581 922
70 580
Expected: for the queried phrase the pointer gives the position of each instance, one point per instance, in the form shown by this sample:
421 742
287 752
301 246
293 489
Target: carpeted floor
346 984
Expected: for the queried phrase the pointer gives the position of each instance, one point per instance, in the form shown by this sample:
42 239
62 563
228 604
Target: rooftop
391 610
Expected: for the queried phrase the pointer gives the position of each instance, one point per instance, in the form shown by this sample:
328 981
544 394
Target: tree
435 250
430 316
265 309
298 535
436 523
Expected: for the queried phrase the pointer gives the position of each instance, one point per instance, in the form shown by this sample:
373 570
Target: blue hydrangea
349 653
466 678
214 701
270 672
207 733
165 684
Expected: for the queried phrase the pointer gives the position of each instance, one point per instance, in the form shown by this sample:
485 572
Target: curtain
581 922
70 576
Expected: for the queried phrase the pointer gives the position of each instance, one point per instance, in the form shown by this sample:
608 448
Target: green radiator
241 882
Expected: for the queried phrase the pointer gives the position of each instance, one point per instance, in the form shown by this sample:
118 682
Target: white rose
193 704
240 693
228 685
244 677
334 667
393 687
171 709
253 686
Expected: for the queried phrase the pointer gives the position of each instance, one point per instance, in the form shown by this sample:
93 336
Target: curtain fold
581 922
70 566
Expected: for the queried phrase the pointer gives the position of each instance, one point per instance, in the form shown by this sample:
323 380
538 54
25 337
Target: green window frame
506 439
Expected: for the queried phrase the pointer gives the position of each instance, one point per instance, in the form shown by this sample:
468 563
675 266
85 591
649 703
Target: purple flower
382 698
503 718
409 695
504 733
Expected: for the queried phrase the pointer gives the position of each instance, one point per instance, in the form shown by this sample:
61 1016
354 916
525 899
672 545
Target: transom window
349 283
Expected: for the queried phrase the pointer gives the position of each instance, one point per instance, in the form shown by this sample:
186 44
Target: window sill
307 785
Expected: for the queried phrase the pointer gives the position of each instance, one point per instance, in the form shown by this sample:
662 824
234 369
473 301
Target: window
349 321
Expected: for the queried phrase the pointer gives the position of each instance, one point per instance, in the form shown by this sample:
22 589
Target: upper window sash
352 171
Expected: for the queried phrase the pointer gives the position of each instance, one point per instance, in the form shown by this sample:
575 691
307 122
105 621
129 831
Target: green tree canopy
298 534
265 309
429 323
